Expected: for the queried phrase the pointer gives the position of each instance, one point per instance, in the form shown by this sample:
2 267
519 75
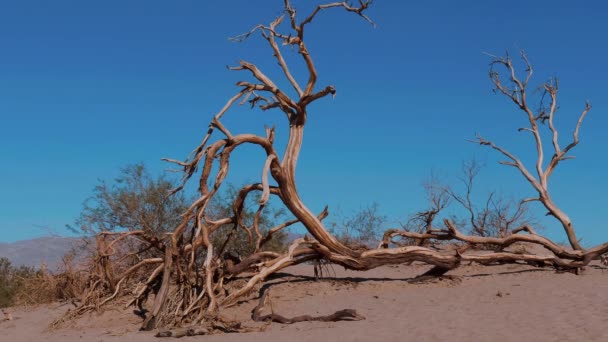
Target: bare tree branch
518 94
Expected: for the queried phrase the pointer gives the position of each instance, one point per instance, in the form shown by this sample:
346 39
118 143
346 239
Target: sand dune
501 303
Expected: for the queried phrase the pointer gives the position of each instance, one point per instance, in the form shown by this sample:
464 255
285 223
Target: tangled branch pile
191 275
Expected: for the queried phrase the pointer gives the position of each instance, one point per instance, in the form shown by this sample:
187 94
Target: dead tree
497 216
516 89
194 280
422 222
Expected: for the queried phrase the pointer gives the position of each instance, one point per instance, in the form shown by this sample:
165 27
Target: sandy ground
500 303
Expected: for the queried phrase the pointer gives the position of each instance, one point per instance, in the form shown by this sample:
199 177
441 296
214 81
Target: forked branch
516 91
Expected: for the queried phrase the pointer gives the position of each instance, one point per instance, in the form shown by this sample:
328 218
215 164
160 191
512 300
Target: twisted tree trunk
197 281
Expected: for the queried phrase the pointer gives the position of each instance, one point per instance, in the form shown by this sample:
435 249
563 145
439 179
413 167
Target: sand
499 303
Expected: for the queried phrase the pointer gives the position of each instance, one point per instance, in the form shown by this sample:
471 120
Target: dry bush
10 281
30 286
43 286
361 229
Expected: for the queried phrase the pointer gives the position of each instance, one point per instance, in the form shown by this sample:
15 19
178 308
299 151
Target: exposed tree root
342 315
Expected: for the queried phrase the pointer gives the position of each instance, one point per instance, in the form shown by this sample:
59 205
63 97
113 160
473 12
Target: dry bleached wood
517 91
341 315
195 280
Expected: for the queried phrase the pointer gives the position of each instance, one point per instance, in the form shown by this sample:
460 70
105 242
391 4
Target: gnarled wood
341 315
516 91
198 277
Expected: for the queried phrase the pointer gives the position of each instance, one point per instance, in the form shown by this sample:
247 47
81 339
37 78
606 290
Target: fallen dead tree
192 279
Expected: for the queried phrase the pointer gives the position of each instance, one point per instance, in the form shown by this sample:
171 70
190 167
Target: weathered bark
150 321
341 315
200 278
516 91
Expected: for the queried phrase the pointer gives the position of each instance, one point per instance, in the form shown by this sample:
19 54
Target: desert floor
499 303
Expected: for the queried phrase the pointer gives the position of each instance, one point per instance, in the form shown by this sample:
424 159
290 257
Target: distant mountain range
47 250
50 250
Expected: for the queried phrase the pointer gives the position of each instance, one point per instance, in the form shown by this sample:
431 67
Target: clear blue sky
89 86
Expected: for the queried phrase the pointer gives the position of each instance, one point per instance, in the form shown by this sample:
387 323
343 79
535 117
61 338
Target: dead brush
45 287
110 274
